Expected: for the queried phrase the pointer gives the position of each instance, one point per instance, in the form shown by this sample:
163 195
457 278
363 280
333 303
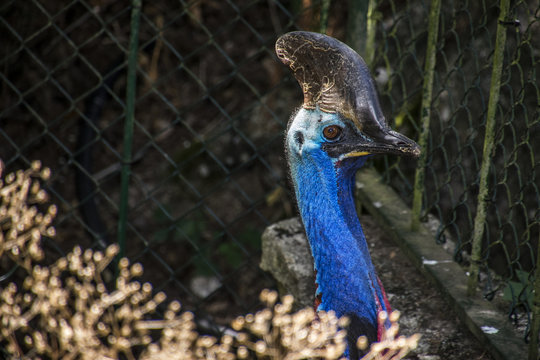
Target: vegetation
69 310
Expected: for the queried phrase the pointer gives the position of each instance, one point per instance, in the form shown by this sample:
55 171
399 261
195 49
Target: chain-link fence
207 171
459 105
206 167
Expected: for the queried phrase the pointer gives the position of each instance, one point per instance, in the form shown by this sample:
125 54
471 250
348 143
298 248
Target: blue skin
324 186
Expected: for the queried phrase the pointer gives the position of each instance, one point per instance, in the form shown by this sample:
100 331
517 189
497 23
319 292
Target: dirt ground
423 310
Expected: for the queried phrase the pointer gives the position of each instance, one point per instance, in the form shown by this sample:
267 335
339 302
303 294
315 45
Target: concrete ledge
287 256
477 314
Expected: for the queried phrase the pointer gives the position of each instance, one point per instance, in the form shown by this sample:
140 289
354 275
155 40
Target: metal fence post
535 323
489 137
356 25
427 90
325 8
128 125
371 30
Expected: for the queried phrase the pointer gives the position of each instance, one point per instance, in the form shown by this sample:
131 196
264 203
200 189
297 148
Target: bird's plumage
346 279
328 139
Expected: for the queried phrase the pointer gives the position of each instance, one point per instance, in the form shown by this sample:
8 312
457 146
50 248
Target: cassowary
339 125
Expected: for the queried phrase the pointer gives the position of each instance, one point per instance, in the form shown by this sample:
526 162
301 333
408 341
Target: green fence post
128 125
427 90
371 23
535 323
356 25
361 28
325 8
489 137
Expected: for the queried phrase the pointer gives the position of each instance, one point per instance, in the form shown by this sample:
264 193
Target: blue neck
346 279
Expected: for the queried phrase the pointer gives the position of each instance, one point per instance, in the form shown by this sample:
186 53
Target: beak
387 141
383 141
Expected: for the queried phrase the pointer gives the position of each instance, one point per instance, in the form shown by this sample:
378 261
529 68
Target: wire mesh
207 173
456 137
208 122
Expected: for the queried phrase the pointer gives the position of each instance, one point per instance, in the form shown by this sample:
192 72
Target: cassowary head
341 112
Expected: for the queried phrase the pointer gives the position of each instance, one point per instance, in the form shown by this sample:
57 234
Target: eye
332 132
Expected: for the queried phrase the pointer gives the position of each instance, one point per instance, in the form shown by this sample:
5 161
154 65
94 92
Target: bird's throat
346 279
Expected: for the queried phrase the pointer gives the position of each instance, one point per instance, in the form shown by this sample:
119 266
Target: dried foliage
21 223
391 347
67 311
276 333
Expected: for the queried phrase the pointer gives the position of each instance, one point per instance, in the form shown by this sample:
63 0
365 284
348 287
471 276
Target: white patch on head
309 123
